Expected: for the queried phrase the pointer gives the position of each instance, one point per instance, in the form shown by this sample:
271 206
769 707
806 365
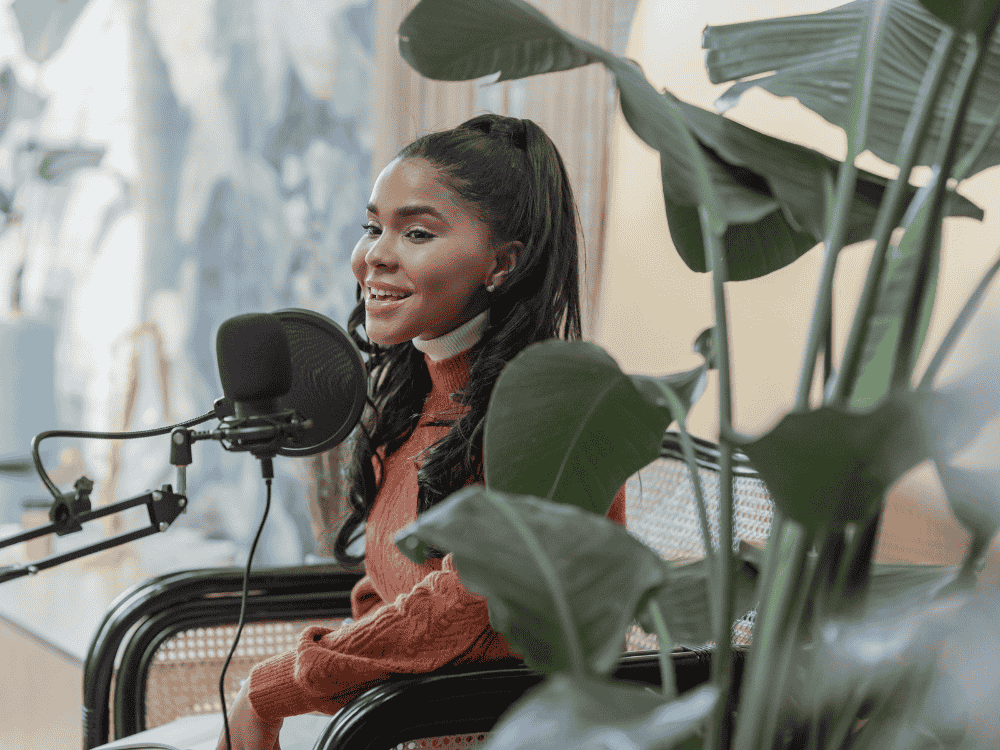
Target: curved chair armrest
141 617
453 701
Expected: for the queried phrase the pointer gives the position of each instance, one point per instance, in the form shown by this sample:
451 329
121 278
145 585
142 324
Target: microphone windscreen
255 362
329 381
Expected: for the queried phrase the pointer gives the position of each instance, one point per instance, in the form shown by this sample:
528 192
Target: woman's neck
453 342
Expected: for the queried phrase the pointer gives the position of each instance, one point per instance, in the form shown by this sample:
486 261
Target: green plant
915 82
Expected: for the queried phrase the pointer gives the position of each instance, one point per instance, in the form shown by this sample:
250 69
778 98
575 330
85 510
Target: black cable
36 441
243 611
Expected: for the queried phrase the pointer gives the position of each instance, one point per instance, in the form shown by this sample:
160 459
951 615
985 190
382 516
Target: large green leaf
884 661
906 582
813 58
563 584
793 175
977 16
45 24
685 599
959 324
830 466
964 700
565 423
956 414
770 192
567 714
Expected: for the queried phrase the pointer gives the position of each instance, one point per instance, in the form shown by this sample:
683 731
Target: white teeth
373 292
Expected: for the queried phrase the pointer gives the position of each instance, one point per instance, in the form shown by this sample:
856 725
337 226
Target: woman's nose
380 252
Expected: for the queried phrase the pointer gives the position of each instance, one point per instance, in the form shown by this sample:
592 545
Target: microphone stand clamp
64 515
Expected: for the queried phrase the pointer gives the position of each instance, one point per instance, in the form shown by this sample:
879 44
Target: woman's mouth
379 298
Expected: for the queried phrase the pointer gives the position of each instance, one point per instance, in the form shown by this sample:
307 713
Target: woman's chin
386 338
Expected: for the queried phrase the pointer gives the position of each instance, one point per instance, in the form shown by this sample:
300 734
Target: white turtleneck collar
453 342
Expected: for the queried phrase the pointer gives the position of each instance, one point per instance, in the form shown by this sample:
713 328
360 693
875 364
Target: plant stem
722 660
984 140
855 573
788 648
666 648
842 730
838 208
786 552
930 243
966 313
887 219
677 412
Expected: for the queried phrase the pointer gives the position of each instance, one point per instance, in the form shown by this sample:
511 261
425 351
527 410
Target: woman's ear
507 255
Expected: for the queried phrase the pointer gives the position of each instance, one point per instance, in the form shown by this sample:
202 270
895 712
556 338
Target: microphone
294 383
255 363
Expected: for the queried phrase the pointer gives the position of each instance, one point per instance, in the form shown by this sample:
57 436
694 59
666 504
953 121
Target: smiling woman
427 259
469 255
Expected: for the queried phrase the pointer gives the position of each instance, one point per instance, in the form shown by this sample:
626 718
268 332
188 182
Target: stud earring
491 288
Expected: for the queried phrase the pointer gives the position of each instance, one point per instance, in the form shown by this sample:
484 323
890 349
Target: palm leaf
565 423
563 584
977 16
813 58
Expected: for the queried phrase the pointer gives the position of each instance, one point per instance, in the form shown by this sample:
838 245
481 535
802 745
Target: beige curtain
574 107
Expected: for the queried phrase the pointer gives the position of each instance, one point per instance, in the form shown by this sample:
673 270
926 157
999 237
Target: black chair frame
453 702
146 615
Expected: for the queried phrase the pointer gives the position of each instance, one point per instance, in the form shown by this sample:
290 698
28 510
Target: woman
469 255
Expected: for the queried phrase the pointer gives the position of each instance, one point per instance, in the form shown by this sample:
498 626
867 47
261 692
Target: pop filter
329 381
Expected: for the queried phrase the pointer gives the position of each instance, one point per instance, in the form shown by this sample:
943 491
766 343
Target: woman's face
425 256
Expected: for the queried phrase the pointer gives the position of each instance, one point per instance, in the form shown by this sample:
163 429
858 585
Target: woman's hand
246 730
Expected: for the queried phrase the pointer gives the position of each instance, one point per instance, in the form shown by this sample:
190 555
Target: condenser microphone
255 363
294 383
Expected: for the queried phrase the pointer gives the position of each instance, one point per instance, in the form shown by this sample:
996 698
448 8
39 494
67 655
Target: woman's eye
420 234
371 229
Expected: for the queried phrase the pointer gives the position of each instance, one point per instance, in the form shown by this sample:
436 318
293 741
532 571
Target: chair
452 709
159 650
148 627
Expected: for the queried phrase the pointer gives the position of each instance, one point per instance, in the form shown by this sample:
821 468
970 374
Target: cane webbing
661 511
183 677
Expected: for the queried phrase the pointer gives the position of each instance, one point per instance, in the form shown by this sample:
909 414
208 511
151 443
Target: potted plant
831 664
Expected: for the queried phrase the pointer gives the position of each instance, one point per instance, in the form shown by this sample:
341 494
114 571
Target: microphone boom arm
164 506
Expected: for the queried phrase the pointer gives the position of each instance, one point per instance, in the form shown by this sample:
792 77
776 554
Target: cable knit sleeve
364 598
437 623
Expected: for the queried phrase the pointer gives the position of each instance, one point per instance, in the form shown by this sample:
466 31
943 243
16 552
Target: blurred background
168 164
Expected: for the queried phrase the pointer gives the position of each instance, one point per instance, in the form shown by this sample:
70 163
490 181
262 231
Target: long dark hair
511 172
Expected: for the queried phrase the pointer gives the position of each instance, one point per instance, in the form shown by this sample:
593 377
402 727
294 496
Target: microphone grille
255 361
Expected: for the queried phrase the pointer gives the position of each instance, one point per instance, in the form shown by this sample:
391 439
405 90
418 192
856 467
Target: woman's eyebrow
413 210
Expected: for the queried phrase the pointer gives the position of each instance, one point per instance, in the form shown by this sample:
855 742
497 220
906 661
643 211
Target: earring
491 288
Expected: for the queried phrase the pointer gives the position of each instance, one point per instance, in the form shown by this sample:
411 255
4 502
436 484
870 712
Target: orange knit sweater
408 618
